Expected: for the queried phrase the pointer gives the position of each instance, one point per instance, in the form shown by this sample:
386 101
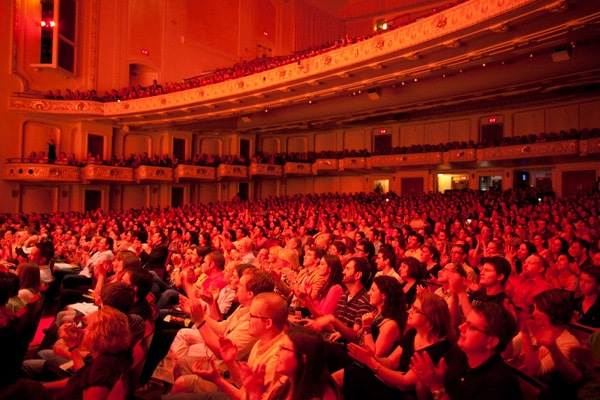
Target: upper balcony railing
572 144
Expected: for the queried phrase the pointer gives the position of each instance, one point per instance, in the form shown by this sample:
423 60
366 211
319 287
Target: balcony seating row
35 172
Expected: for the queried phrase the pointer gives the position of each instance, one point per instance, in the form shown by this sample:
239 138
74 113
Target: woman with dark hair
327 298
561 276
430 256
518 257
29 277
382 328
390 377
557 246
411 273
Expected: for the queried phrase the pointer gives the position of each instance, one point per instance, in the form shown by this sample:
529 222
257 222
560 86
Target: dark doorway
244 188
245 148
578 181
96 145
176 197
93 200
492 133
179 149
521 179
382 144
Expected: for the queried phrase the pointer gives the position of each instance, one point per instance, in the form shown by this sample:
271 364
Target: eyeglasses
258 316
282 347
470 327
416 311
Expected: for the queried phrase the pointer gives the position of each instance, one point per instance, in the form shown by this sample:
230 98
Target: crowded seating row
362 295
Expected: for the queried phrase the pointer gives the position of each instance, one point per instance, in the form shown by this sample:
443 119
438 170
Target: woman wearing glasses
390 377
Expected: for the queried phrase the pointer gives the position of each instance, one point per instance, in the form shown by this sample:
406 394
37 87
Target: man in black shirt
474 369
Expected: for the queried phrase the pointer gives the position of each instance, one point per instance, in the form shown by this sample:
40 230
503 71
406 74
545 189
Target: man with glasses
458 256
268 317
474 369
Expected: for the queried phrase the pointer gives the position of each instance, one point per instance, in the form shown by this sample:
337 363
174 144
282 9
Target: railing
20 169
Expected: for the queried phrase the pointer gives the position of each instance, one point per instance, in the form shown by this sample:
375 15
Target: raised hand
211 374
428 373
360 353
228 349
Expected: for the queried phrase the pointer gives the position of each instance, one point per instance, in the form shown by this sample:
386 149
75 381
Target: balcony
326 166
148 173
232 172
406 160
107 173
460 156
529 150
266 170
355 163
297 169
32 172
195 173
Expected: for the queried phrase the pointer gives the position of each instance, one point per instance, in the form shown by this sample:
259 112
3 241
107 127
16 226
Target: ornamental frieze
529 150
39 172
460 155
107 173
230 171
195 172
401 160
268 170
297 168
155 174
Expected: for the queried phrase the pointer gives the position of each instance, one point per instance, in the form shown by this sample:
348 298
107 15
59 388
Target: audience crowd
307 296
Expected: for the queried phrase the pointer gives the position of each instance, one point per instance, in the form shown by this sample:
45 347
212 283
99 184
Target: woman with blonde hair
107 338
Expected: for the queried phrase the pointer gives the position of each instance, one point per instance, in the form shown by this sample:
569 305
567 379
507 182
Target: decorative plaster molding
546 149
297 168
401 160
460 155
107 173
266 170
229 171
39 173
153 174
195 172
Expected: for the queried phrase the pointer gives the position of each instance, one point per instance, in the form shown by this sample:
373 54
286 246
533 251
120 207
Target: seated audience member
411 273
12 385
268 318
430 256
588 306
494 274
444 279
29 278
473 369
202 341
330 268
544 345
383 327
301 367
108 340
579 250
15 304
347 319
562 275
386 263
522 288
390 377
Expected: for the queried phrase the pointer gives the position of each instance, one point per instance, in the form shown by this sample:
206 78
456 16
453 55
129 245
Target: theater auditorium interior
329 143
